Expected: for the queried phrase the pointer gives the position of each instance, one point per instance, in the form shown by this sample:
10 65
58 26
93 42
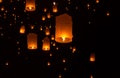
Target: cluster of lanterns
63 28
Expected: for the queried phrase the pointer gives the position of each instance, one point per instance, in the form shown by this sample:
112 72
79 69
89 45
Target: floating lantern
63 29
22 29
46 44
32 41
0 1
48 15
55 9
92 57
47 31
30 5
43 17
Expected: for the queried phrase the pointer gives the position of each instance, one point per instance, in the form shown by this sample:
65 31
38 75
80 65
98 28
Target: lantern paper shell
46 44
63 29
32 41
92 57
0 1
47 31
30 5
22 29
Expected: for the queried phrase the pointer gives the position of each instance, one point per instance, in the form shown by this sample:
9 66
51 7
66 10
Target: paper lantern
46 44
0 1
32 41
43 17
63 29
52 37
47 31
22 29
92 57
48 15
30 5
55 9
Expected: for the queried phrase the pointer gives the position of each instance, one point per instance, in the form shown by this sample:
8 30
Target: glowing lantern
32 41
63 29
0 1
52 37
47 31
48 15
30 5
22 29
55 9
43 18
97 1
46 44
45 9
92 57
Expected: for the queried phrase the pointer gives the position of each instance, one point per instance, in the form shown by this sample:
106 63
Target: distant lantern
55 9
43 18
32 41
46 44
48 15
92 57
63 29
45 9
47 31
97 1
22 29
52 37
30 5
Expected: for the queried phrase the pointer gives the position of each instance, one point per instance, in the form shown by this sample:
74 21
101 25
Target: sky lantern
92 57
30 5
54 7
47 31
63 29
46 44
22 29
32 41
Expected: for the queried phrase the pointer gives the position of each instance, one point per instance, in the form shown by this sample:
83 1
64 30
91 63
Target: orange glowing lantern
22 29
32 41
48 15
47 31
43 17
30 5
63 29
55 9
0 1
46 44
97 1
52 37
92 57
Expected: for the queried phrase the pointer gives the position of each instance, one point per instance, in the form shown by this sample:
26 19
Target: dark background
100 37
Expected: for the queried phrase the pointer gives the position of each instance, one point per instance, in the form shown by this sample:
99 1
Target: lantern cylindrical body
22 29
92 57
63 29
30 5
46 44
32 41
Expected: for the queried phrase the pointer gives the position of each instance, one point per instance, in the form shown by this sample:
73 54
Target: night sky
92 28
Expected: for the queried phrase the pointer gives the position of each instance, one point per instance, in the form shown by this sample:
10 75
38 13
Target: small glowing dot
54 3
66 8
89 22
17 42
64 61
45 9
2 9
74 49
14 8
2 34
18 53
18 48
1 28
91 76
48 63
108 14
94 10
97 1
60 76
50 54
57 48
65 68
6 63
32 27
76 7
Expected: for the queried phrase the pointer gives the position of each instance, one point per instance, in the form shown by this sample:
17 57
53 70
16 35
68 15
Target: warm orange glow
32 26
0 1
30 5
64 60
73 49
46 44
45 9
108 14
63 32
32 41
47 31
22 29
55 9
48 15
48 63
97 1
92 57
43 18
52 37
91 76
